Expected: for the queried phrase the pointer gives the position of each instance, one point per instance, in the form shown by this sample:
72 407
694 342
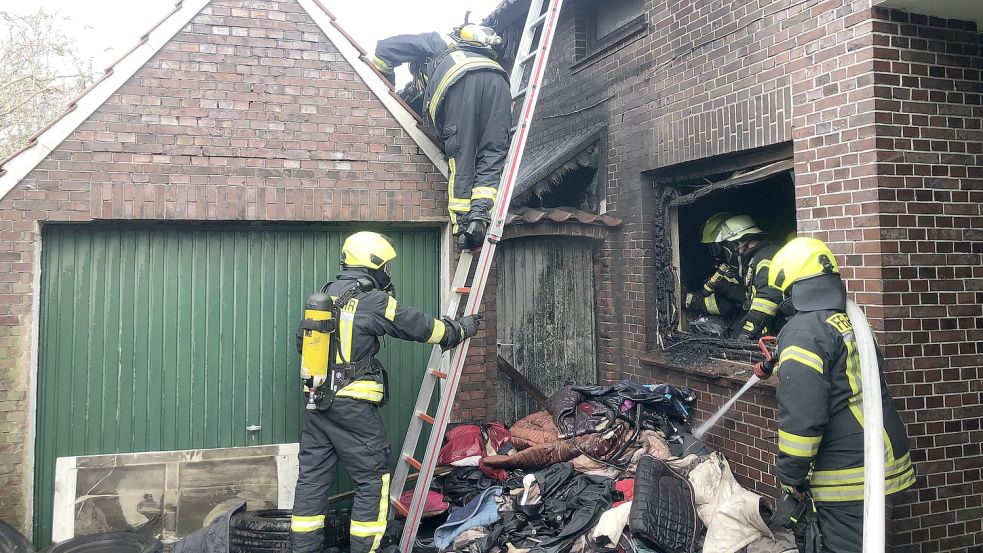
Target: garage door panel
161 338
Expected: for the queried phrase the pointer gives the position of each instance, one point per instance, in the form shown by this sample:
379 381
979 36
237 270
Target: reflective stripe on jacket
820 400
762 301
365 318
440 60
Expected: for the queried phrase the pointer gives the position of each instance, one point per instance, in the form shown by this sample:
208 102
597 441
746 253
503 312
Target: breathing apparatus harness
323 367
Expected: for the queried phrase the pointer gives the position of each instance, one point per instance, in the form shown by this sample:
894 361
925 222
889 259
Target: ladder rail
548 21
425 396
525 43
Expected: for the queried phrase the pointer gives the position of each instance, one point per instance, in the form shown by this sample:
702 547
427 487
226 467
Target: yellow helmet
712 224
735 227
367 249
479 35
801 259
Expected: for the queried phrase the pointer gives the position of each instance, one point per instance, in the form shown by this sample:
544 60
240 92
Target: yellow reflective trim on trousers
856 475
484 193
306 523
454 205
439 328
367 529
765 306
855 492
711 304
802 355
391 309
452 74
798 446
375 528
383 511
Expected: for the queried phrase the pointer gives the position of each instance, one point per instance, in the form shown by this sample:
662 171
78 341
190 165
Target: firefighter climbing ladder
534 48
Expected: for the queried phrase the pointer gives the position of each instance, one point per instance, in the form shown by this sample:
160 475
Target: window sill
611 42
723 373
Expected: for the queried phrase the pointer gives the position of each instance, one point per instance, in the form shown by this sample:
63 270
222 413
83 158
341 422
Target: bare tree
40 72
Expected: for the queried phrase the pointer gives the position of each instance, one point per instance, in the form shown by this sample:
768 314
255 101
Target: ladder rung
425 418
520 93
403 509
463 290
527 58
438 374
412 462
538 21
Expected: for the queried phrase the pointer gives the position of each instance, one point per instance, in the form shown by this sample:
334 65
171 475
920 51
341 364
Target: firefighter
466 99
722 294
344 421
820 400
742 244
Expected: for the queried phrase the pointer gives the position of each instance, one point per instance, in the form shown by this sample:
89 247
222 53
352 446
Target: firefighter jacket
369 315
722 294
439 60
761 300
820 402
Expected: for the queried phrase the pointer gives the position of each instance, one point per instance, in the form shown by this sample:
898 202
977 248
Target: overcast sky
104 29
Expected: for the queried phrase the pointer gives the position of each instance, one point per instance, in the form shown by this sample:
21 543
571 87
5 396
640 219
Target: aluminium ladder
540 23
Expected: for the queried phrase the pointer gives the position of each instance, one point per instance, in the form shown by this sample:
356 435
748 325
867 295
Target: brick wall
249 113
927 93
887 146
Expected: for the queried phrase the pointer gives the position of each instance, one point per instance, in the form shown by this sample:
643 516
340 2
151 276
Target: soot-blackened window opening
770 202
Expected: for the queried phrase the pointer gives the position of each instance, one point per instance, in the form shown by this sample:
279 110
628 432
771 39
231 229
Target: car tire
266 521
12 541
112 542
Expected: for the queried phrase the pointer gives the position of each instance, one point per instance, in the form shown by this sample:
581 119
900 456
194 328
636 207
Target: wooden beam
521 380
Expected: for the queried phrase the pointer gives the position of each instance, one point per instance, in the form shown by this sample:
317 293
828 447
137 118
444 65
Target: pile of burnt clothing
599 470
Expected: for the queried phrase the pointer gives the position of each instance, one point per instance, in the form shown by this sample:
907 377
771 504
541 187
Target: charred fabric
601 468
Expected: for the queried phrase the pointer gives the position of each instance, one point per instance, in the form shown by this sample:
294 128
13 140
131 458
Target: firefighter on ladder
820 402
342 421
466 99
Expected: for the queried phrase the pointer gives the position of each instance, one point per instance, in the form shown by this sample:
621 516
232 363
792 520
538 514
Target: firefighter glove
470 325
462 328
473 234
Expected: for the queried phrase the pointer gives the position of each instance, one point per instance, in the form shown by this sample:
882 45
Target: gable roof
46 140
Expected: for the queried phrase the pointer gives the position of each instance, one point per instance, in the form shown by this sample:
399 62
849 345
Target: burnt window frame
664 327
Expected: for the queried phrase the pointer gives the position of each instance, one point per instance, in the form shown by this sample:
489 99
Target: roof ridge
19 164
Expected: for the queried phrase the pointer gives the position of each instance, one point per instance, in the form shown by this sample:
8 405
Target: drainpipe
873 431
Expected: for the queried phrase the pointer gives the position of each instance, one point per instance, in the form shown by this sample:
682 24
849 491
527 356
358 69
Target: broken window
764 191
568 173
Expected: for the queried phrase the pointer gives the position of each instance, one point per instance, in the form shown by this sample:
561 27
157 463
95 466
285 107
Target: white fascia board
376 84
19 166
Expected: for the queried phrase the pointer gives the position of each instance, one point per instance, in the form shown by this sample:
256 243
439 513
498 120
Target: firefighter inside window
725 289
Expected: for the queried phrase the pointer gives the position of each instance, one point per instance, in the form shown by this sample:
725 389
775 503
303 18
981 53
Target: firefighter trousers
352 431
474 121
842 525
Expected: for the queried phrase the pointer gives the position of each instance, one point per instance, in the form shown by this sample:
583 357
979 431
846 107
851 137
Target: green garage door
163 338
